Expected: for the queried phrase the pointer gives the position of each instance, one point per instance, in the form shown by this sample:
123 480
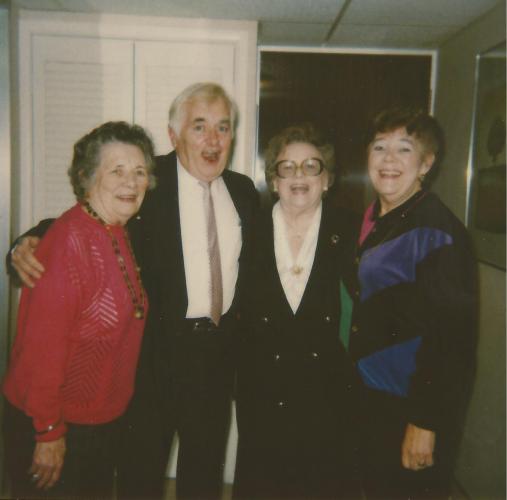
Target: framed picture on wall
486 202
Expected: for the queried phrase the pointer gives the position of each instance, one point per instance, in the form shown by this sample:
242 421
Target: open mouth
127 198
299 188
389 174
211 156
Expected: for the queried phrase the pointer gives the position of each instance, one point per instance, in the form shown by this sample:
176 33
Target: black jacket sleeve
446 361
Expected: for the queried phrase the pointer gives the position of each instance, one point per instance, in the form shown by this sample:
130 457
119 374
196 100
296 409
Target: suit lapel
277 299
320 268
240 203
170 229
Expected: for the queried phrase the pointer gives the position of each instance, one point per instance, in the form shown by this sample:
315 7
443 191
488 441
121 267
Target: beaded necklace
138 303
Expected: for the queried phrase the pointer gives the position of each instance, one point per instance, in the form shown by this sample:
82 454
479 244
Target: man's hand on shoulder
25 263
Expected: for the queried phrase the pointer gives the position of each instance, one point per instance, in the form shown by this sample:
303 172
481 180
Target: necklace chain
138 303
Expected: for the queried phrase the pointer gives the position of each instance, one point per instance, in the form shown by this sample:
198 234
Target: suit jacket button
265 319
277 357
315 355
281 404
328 319
354 329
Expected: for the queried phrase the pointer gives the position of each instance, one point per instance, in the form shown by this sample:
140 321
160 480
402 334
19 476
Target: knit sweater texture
77 344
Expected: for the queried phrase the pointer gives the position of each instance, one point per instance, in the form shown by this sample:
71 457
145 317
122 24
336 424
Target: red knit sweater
75 354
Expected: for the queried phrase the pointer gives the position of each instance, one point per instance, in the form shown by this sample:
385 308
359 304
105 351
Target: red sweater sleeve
45 319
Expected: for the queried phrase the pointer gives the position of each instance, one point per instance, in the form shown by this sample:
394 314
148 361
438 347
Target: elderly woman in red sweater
73 363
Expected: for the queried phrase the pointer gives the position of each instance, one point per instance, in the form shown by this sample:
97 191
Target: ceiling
418 24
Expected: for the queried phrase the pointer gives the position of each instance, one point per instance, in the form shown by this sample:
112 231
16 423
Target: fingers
25 263
42 476
47 463
417 461
24 277
417 448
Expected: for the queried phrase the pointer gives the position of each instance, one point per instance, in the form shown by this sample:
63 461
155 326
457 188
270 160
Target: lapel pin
335 239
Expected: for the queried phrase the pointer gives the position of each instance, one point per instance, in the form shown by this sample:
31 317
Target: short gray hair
87 150
209 92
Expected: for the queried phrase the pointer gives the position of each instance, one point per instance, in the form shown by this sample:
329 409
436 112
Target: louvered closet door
78 83
163 69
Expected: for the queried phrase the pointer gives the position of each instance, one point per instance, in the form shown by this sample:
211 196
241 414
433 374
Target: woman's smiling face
301 192
396 162
120 182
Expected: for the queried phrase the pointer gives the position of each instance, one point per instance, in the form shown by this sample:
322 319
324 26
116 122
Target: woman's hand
47 462
417 448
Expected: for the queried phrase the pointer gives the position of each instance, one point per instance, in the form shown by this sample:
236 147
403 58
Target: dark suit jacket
295 380
156 238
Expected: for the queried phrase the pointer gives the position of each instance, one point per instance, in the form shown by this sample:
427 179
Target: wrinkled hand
417 448
24 261
47 463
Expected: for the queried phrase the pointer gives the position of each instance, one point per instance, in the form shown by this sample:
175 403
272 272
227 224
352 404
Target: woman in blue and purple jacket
412 333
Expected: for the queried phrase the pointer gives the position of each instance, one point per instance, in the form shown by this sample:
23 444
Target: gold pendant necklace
138 303
295 269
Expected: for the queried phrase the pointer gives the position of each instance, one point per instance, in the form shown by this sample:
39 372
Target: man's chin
212 171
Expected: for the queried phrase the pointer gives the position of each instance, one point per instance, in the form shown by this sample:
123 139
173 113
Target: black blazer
287 357
156 239
296 384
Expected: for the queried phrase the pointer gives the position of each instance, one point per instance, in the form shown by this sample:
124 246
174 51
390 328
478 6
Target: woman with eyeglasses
295 381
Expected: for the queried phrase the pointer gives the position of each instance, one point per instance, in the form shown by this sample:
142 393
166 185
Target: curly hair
305 133
86 158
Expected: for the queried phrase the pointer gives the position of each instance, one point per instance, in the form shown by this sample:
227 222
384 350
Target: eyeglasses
289 168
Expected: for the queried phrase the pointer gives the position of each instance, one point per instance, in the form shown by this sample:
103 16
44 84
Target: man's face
204 141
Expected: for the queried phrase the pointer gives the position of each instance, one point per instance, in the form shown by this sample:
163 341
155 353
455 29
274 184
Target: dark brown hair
417 123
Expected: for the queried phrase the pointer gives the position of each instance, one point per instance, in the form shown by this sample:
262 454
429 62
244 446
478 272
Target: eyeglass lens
310 166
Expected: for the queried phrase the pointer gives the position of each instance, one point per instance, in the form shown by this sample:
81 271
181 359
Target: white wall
481 463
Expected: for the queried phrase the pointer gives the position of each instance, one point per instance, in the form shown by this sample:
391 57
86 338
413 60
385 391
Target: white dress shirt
294 272
194 240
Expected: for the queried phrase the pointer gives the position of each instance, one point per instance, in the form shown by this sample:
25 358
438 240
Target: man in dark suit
185 372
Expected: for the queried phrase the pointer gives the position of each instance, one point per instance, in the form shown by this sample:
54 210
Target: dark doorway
339 93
